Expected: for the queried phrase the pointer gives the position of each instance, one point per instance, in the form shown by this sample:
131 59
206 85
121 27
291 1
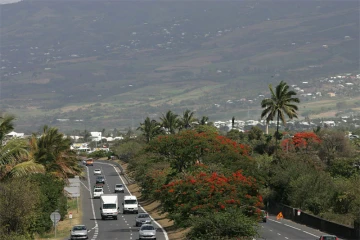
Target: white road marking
310 234
292 227
278 234
122 180
85 186
93 209
274 221
286 238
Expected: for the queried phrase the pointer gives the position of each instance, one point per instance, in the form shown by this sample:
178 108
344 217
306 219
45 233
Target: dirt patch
76 60
195 62
40 81
153 208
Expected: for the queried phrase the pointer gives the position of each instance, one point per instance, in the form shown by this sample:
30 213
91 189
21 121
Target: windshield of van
119 185
98 190
109 206
130 202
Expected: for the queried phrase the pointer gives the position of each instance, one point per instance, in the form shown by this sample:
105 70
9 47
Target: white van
109 206
130 204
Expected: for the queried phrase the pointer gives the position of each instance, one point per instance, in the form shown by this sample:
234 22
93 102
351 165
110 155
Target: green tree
187 119
6 125
170 121
19 200
280 104
232 224
53 152
150 129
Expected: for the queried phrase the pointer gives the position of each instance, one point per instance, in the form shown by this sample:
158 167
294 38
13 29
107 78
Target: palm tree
280 104
187 119
205 121
170 121
15 159
52 150
6 125
150 129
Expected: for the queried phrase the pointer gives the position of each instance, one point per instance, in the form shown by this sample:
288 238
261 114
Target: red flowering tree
302 141
186 148
192 195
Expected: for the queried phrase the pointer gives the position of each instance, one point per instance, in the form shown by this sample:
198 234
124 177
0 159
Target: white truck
109 207
130 204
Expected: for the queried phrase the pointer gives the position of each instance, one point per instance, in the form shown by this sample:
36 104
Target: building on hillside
96 136
15 135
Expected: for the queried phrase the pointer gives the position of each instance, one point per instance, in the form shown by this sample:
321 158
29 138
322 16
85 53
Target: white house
96 136
15 135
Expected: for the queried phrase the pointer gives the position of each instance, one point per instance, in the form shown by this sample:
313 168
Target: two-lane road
124 226
287 230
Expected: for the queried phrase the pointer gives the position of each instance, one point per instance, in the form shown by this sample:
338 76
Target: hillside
113 63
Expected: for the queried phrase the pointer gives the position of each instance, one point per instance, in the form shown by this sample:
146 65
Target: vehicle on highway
99 185
98 192
79 232
109 207
84 162
328 237
100 179
97 172
130 204
119 188
142 218
90 162
147 231
264 215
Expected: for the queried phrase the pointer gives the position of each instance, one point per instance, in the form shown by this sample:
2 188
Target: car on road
100 179
98 192
142 218
328 237
147 231
89 162
79 232
119 188
97 172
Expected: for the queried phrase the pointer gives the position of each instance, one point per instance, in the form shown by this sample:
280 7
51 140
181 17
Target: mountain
112 63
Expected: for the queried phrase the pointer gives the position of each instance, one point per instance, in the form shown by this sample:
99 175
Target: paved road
124 227
287 230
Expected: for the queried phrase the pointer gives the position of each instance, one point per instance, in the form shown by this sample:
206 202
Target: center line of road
92 206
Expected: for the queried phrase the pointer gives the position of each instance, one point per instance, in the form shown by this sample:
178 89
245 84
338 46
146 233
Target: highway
124 226
286 230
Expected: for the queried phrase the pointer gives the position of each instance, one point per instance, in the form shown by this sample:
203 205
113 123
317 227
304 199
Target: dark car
100 179
328 237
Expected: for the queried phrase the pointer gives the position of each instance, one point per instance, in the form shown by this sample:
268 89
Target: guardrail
340 230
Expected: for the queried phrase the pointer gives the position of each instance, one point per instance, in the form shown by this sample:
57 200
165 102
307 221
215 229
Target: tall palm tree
15 159
205 121
53 152
150 129
280 104
6 125
186 119
170 121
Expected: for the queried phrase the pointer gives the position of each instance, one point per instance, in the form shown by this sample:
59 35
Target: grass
64 227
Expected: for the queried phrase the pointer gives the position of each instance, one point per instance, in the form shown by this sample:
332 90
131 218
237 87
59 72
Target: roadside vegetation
202 176
33 173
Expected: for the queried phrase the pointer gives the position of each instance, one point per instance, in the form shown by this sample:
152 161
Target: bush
232 224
